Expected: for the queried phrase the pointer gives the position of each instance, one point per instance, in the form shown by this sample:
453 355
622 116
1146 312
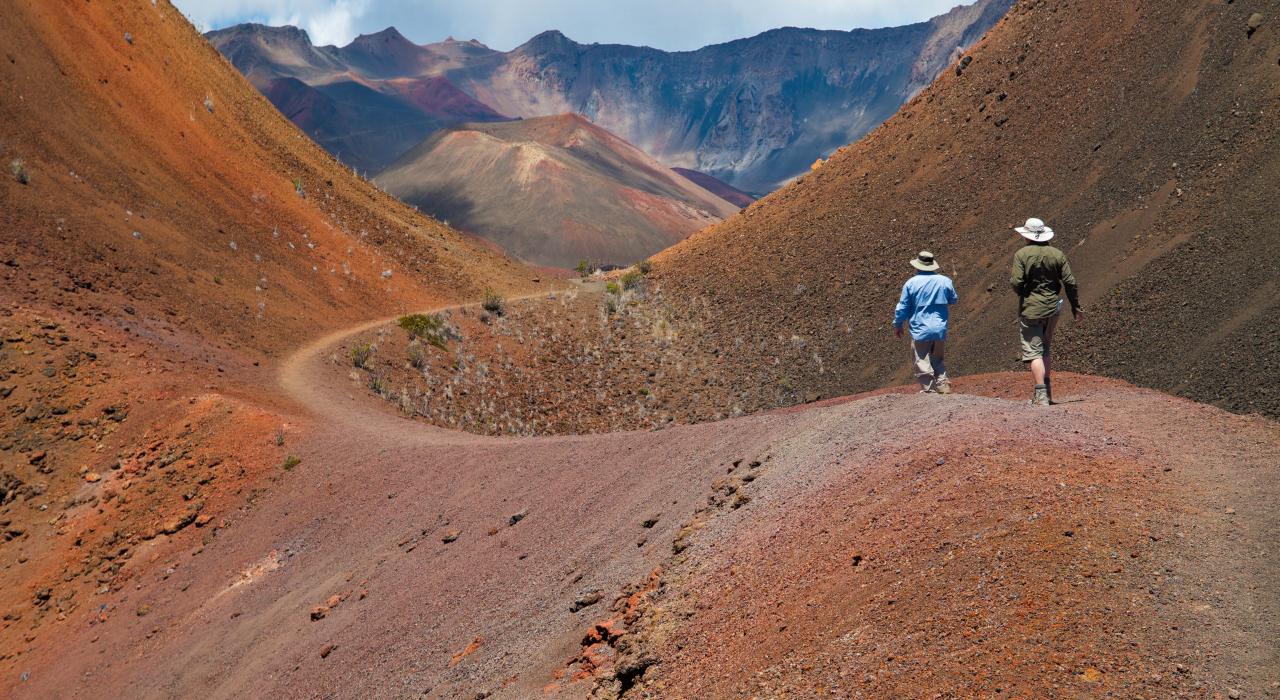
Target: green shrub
644 266
429 327
360 355
378 385
631 279
612 288
583 268
493 302
290 462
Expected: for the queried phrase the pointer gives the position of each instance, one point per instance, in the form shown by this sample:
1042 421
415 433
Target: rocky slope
200 496
165 234
753 112
1154 161
553 191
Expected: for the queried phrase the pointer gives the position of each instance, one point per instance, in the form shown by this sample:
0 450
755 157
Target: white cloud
503 24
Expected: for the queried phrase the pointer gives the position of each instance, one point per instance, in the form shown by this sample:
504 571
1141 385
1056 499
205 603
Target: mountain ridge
748 111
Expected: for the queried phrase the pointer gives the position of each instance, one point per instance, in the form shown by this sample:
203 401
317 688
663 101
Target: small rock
1234 694
92 477
143 610
650 521
1255 21
326 650
1230 511
128 38
586 600
451 536
517 517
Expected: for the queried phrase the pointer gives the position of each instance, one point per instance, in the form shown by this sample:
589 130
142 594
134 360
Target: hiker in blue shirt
923 307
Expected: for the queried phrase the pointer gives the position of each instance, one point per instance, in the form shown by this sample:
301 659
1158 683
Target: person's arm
1072 289
903 311
952 297
1018 276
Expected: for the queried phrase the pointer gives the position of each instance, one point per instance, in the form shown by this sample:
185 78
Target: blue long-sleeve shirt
924 302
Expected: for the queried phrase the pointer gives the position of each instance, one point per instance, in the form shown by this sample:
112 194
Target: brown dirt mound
1154 159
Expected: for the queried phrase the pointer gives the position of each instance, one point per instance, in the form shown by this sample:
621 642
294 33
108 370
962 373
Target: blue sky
673 25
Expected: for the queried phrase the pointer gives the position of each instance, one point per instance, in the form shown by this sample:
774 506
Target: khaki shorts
1036 334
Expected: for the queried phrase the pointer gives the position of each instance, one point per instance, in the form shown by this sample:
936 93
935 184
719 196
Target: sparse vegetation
428 327
360 355
631 279
612 288
584 269
19 171
644 266
297 188
280 437
290 462
378 385
493 302
208 103
417 356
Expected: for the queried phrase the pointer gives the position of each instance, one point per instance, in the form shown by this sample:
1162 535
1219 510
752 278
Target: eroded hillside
1154 160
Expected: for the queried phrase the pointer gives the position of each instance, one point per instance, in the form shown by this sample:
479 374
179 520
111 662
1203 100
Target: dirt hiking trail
877 546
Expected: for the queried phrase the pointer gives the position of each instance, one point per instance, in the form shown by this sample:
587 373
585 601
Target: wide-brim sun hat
1035 231
925 262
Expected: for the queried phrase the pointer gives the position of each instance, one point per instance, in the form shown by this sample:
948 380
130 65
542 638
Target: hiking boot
943 386
1041 396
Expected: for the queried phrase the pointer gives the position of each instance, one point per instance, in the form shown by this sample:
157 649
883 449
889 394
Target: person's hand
897 331
1078 315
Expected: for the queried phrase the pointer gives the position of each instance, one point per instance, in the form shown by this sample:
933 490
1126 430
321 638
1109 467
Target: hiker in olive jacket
1040 273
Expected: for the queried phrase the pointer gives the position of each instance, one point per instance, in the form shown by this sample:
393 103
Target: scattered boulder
586 600
451 536
1255 21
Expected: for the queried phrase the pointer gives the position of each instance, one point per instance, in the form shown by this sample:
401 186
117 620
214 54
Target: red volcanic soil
170 234
1154 160
200 496
892 545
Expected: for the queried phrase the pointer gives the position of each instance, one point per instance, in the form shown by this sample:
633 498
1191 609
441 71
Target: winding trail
443 594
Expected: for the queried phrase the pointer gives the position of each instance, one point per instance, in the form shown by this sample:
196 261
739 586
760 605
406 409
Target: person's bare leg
1039 370
1047 381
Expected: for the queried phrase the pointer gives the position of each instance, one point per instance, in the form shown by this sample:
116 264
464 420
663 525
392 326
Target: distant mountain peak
387 37
285 33
550 40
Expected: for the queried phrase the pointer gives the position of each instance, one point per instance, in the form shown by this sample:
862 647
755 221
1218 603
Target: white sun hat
1035 230
925 262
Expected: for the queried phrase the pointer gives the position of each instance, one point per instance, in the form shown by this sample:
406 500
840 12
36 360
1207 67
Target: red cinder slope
1155 161
166 235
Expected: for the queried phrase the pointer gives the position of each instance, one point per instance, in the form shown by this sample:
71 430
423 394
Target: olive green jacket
1040 271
